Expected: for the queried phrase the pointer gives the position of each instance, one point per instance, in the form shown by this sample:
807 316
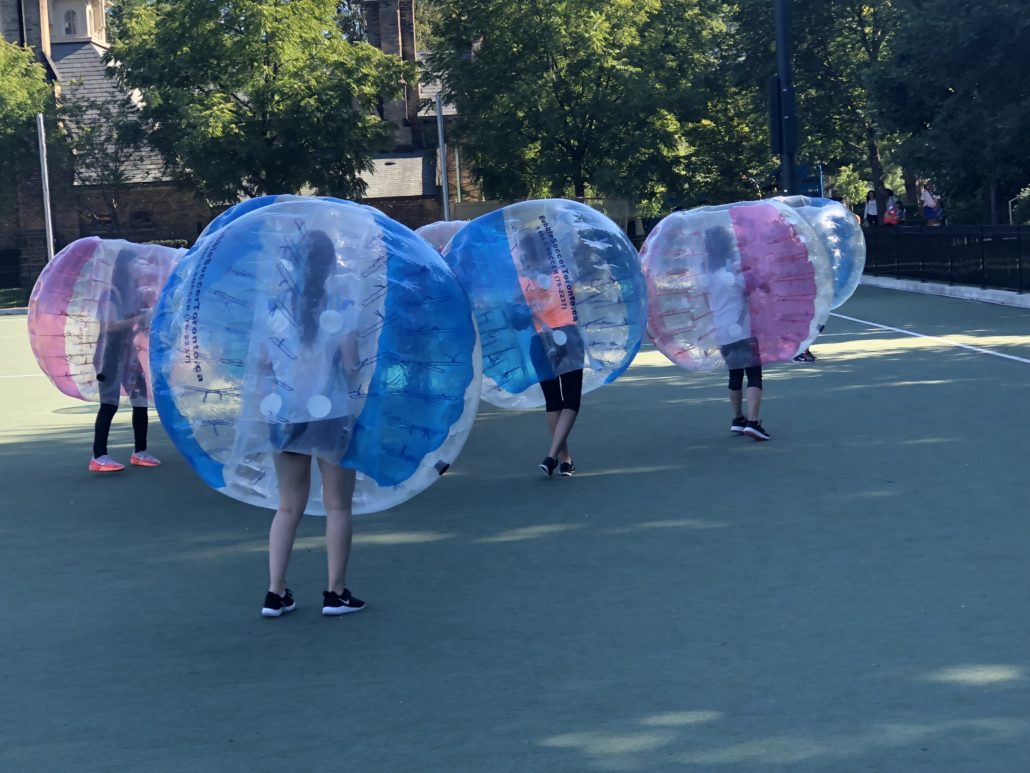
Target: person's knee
736 382
754 378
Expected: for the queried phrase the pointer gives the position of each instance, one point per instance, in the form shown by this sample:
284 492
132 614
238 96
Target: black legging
102 428
754 378
564 392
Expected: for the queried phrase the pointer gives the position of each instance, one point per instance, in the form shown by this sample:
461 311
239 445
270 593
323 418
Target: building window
71 23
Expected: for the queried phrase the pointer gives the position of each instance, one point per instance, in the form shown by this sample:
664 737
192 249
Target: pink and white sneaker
144 459
104 464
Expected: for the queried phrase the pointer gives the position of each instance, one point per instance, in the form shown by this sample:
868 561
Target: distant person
728 303
931 203
123 318
871 212
890 209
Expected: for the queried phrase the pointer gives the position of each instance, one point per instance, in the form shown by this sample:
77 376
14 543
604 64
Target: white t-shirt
870 207
729 308
928 199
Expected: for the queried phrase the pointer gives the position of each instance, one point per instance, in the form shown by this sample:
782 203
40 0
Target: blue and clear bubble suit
322 327
841 232
555 286
440 233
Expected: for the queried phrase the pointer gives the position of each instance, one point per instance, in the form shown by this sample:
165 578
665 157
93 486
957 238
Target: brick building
70 39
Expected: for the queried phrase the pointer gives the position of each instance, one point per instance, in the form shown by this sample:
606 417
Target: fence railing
994 257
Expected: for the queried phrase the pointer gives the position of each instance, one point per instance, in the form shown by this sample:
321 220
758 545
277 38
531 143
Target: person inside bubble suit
557 350
310 374
727 300
124 312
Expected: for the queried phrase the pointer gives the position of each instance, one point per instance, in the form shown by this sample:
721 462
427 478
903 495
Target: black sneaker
276 606
738 424
548 465
756 430
565 469
340 603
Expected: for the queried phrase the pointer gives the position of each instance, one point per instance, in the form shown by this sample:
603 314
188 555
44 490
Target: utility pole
781 98
443 158
48 222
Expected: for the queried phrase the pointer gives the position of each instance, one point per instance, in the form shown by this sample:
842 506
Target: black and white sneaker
340 603
565 469
757 431
738 425
548 465
276 606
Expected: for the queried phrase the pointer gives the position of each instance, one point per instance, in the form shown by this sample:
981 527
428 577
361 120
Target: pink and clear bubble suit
439 233
736 285
89 317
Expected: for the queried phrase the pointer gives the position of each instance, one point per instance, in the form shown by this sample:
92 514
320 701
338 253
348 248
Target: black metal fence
995 257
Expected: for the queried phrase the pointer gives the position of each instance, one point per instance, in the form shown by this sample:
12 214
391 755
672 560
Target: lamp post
785 134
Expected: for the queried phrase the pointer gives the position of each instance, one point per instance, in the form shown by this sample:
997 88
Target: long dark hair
318 255
122 280
718 247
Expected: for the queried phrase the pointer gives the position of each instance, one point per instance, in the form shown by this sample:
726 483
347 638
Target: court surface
852 596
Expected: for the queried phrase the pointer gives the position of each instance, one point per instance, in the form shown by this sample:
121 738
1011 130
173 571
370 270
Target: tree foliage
24 91
957 84
246 97
557 97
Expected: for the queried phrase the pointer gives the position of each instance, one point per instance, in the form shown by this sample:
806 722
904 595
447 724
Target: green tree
559 97
837 44
105 140
24 91
958 84
247 97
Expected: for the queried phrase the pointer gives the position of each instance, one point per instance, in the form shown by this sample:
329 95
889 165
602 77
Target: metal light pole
788 129
443 159
48 223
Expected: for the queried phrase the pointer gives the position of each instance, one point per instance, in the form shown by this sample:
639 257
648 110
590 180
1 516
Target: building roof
82 73
400 174
427 92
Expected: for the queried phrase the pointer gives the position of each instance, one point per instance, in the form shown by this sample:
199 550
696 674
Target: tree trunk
911 198
995 213
876 167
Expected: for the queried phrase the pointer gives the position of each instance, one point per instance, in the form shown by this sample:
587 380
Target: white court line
932 338
25 375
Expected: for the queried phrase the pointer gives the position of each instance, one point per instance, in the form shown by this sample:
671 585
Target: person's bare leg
552 425
754 403
737 402
293 472
559 438
337 494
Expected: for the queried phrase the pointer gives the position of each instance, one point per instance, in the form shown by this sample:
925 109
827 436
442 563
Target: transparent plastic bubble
735 285
377 367
841 233
556 286
89 317
440 232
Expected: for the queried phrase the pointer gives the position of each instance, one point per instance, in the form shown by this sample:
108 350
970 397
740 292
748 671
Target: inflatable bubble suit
89 317
322 327
440 232
842 233
735 285
556 286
